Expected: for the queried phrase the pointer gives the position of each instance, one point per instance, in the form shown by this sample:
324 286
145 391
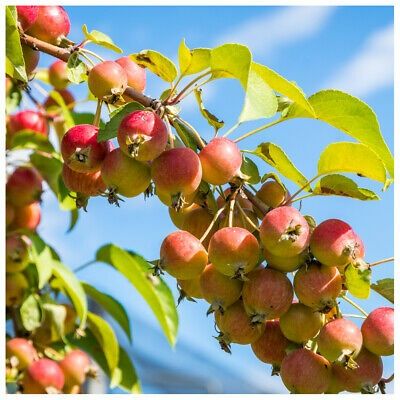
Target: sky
347 48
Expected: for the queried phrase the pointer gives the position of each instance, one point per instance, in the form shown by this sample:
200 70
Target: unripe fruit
340 340
27 217
52 24
272 194
219 290
197 222
66 95
16 286
124 175
17 253
244 202
378 331
43 376
220 160
175 202
31 59
304 372
10 214
27 120
107 80
284 232
365 377
90 184
177 173
23 350
336 385
80 149
233 251
334 243
236 327
24 186
58 74
142 135
271 346
135 73
178 217
27 16
267 294
75 365
301 323
318 286
190 288
182 255
285 264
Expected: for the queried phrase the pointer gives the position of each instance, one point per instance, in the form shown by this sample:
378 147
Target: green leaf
210 118
355 158
153 289
73 288
350 115
74 216
385 287
106 338
184 134
276 157
14 58
76 69
84 118
110 129
54 320
27 139
192 61
100 39
112 306
13 99
358 280
66 113
250 169
156 63
339 185
31 313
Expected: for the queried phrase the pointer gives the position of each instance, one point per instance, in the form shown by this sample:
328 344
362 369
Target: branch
255 201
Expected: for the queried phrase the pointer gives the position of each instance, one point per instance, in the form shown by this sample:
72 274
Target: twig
383 261
255 201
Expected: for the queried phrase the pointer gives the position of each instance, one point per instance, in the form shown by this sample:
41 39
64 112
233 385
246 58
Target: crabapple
301 323
80 149
284 232
190 288
123 175
239 220
176 174
67 97
16 286
75 366
267 294
43 376
220 160
10 214
27 16
58 74
31 58
197 222
178 217
219 290
24 186
233 251
17 253
107 80
378 331
142 135
272 194
305 372
334 243
23 350
285 264
86 184
182 255
28 120
318 286
51 25
340 340
135 73
27 217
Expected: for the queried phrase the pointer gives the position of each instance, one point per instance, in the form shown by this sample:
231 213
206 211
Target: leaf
358 280
100 39
112 306
156 63
276 157
339 185
106 338
73 288
184 134
350 115
74 216
153 289
42 74
351 157
66 113
27 139
250 169
13 99
84 118
14 57
76 69
54 320
31 313
192 61
385 287
211 118
110 129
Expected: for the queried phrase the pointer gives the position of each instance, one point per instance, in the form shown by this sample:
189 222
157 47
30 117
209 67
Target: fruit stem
208 230
354 316
171 136
83 266
92 53
383 261
234 127
254 131
96 120
291 198
303 197
245 216
91 62
355 305
231 208
255 201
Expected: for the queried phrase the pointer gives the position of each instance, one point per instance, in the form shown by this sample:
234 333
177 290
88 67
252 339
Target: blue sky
348 48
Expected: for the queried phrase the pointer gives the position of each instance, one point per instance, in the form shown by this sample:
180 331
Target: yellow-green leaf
101 39
358 280
192 61
385 287
211 118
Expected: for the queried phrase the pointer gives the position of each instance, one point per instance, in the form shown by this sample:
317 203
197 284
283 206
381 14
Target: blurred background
348 48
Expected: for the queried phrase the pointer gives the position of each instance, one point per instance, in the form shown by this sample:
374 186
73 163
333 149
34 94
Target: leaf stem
254 131
355 305
292 197
383 261
303 197
83 266
233 128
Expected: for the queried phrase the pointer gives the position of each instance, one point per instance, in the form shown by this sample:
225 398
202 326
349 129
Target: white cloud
268 32
371 69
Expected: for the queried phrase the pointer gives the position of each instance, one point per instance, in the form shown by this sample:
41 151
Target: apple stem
96 120
208 230
231 208
92 53
383 261
354 316
355 305
245 216
87 58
